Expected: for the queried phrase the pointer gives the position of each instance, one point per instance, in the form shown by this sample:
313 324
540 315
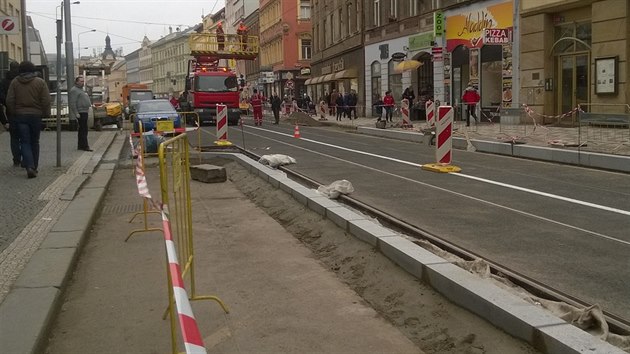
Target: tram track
616 323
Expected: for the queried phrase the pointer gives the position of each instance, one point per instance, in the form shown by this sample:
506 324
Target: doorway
573 71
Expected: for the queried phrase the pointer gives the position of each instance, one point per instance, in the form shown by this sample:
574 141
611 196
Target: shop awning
328 77
308 81
346 74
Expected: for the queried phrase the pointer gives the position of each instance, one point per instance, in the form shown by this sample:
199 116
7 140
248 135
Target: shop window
491 75
375 77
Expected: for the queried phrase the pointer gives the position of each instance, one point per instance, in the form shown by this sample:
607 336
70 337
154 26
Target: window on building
413 7
324 41
306 48
341 26
358 17
564 37
376 13
332 28
305 9
349 19
394 80
393 8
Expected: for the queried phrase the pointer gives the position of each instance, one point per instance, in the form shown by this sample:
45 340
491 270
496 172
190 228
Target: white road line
485 180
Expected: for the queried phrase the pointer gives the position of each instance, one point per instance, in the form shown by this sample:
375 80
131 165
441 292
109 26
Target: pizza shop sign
497 36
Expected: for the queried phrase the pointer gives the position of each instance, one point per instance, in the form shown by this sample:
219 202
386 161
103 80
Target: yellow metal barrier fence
175 190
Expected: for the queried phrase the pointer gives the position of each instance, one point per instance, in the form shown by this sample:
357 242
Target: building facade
133 67
396 31
145 63
170 57
116 80
574 53
285 46
11 42
338 53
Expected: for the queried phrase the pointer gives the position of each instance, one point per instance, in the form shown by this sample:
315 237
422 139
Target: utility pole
25 43
59 40
69 53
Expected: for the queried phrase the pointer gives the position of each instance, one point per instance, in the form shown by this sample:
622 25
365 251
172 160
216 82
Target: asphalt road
564 226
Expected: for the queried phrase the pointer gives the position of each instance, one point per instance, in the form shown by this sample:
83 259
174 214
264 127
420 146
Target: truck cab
206 89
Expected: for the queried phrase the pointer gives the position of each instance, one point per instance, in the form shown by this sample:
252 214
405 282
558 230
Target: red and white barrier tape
141 180
187 323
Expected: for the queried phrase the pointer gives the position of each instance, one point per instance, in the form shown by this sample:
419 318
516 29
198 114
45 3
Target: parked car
50 122
149 112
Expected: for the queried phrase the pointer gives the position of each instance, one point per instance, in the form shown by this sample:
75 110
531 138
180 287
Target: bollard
430 112
404 109
222 126
444 142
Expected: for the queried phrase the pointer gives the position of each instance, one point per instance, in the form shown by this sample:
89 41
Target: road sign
9 25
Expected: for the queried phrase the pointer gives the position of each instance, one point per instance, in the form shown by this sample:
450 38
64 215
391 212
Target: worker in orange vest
220 36
257 105
242 31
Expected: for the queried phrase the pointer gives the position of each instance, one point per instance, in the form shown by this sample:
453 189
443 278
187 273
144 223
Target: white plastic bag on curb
336 188
276 160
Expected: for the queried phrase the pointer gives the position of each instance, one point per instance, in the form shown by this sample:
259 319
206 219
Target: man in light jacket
79 105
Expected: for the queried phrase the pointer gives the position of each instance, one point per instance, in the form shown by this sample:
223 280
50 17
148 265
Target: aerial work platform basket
234 46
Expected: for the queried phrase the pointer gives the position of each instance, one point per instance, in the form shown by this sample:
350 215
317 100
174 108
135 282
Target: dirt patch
431 321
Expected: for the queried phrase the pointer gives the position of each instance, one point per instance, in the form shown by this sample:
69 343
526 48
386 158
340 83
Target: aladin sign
468 26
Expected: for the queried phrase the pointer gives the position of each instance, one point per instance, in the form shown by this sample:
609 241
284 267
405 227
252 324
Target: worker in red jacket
388 102
471 98
257 104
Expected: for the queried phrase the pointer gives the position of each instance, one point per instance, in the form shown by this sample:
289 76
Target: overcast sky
126 21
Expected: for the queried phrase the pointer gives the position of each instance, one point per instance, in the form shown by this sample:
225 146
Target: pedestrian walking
339 106
276 103
471 98
257 102
6 117
28 100
346 104
409 95
388 101
352 104
220 36
79 105
332 104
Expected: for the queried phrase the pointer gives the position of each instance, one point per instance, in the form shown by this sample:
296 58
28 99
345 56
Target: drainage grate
122 209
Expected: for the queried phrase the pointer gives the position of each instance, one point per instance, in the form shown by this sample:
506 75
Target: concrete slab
207 173
80 213
368 231
100 178
303 194
408 255
319 204
64 239
25 316
49 267
73 188
341 216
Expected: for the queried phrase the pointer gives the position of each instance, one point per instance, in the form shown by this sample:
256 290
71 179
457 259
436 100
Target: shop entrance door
573 79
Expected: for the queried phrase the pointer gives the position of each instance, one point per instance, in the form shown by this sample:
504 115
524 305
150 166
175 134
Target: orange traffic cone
296 132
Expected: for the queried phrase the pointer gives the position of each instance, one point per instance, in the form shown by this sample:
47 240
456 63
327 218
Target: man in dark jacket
79 106
352 104
5 117
28 100
276 103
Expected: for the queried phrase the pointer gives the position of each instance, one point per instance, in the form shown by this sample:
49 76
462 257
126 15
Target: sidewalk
593 139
